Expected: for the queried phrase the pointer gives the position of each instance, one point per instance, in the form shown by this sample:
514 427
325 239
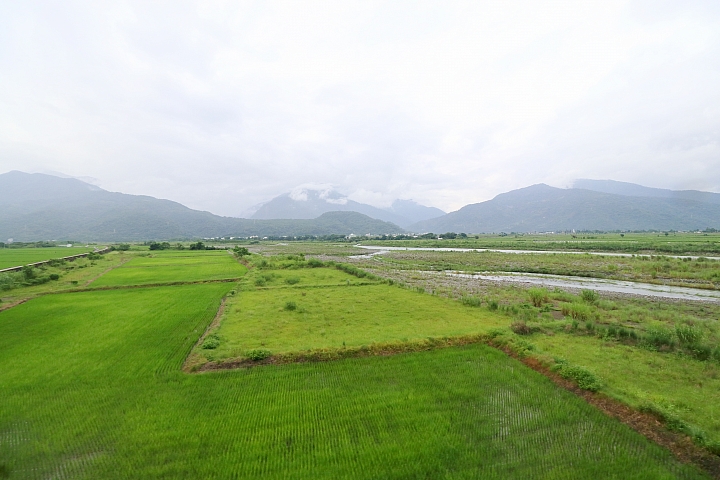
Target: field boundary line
186 366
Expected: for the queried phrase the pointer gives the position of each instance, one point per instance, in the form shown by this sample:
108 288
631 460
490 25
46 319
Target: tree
240 251
197 246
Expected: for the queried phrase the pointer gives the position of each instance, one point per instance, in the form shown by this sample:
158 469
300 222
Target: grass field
14 257
335 317
92 388
173 268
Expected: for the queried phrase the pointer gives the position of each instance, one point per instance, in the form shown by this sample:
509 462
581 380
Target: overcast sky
222 105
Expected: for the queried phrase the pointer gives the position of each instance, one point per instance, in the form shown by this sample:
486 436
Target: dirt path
193 358
108 271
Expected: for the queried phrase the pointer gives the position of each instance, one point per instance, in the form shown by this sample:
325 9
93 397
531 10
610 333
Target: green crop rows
92 388
169 269
14 257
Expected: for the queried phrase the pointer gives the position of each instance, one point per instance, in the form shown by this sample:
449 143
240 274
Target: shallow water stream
569 252
601 285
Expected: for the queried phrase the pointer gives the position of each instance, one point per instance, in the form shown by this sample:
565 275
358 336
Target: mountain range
45 207
308 202
541 208
37 207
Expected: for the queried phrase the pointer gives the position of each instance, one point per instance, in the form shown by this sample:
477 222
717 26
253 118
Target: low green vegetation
659 356
92 388
93 385
15 257
699 272
298 319
173 268
667 243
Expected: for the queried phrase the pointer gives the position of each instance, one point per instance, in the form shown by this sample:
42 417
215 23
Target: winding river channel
599 284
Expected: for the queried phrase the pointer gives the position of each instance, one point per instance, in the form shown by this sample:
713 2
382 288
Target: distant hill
634 190
306 203
541 208
45 207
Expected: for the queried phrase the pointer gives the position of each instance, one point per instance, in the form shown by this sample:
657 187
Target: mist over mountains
44 207
37 207
308 202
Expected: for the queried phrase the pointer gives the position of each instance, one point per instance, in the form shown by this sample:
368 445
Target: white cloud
222 105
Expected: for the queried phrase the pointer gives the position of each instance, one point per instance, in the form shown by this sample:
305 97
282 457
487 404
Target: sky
224 105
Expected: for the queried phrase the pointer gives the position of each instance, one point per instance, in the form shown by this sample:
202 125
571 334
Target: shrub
211 342
687 334
258 354
578 311
583 377
260 282
589 296
292 280
659 337
54 276
538 296
314 263
290 306
471 301
493 305
521 328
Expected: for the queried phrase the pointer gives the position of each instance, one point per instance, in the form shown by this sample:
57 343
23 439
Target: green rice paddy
92 388
175 268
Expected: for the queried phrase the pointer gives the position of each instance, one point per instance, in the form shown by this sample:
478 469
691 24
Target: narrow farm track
107 271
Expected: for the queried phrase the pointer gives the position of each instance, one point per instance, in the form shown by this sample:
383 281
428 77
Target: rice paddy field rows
92 389
93 386
631 343
173 268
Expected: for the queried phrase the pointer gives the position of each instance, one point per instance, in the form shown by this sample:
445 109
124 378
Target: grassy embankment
14 257
92 388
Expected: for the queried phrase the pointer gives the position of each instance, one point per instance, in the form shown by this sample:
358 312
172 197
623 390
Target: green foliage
580 375
292 280
240 251
538 296
290 306
315 263
578 311
211 342
123 247
521 328
54 276
471 301
197 246
258 354
688 334
492 305
589 296
160 246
